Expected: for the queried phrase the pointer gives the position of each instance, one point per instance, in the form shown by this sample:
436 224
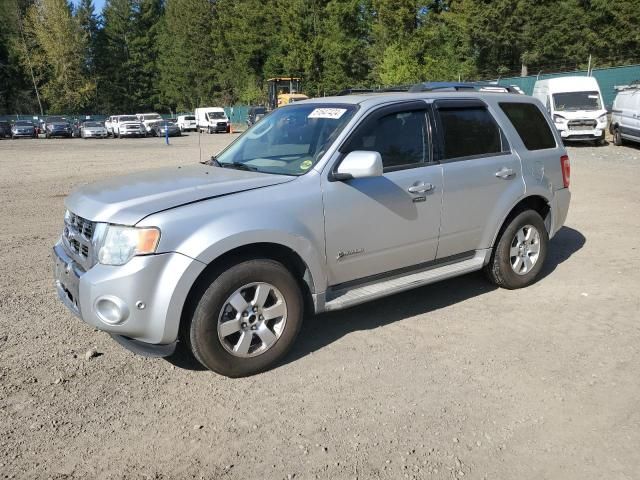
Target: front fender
289 214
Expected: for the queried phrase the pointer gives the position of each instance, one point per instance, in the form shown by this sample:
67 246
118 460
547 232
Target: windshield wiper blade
239 166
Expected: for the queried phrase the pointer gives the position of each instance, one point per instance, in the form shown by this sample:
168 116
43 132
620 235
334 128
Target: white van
212 120
625 115
575 104
187 123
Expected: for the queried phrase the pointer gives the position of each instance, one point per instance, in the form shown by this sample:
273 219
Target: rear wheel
247 319
520 253
617 137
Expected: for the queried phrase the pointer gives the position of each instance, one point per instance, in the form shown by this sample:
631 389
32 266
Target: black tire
499 270
202 331
617 137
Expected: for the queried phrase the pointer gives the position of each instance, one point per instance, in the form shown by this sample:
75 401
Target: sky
98 4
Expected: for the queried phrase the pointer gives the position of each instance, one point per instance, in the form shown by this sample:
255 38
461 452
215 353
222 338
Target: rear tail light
566 170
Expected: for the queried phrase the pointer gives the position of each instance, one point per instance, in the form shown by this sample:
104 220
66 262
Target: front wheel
246 319
519 255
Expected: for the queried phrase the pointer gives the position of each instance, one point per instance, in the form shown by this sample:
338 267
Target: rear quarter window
530 124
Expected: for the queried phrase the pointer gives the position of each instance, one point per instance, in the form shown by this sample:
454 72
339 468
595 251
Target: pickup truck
322 205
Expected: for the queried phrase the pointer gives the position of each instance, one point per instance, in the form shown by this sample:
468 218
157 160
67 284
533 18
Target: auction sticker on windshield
333 113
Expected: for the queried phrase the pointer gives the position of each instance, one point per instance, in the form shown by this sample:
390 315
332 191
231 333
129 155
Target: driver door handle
420 188
505 173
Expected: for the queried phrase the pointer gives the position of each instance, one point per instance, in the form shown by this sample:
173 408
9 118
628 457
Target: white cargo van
575 104
212 120
625 115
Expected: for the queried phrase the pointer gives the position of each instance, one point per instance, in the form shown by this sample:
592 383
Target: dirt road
455 380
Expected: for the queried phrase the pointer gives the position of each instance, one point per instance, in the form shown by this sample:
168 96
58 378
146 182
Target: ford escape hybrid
325 203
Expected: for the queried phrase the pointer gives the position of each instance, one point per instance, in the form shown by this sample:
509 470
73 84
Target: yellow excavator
283 91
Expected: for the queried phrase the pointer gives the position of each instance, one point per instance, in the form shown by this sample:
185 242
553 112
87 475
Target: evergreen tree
54 40
187 70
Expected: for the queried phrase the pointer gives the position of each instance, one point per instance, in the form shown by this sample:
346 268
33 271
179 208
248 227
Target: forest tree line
175 55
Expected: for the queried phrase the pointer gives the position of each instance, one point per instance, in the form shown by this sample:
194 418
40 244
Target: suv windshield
92 124
23 123
215 115
190 118
129 118
577 101
290 140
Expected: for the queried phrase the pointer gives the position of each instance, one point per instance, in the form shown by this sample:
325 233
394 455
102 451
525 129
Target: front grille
222 124
77 237
582 124
133 127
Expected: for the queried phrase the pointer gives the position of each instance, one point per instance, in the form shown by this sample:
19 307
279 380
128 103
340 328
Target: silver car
322 205
93 130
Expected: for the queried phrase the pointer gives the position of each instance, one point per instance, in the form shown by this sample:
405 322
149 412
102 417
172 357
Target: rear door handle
505 173
420 188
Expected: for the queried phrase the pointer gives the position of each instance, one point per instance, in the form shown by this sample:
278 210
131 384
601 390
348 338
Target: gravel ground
452 380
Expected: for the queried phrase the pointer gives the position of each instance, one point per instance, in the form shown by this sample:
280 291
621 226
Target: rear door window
530 124
469 132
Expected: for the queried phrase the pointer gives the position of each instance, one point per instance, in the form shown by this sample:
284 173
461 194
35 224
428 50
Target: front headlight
121 244
602 118
559 118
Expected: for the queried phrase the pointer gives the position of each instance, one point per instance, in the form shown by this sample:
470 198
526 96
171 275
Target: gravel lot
453 380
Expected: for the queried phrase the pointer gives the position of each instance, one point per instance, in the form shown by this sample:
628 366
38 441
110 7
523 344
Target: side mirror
359 164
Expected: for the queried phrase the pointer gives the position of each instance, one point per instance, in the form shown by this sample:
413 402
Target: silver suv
322 205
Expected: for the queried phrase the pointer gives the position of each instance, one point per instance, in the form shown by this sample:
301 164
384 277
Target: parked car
255 114
128 126
91 129
187 123
5 129
625 115
23 128
159 129
212 120
58 128
147 119
576 106
327 203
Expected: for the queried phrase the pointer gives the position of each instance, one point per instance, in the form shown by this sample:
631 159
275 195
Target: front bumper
150 291
60 133
133 133
24 134
95 134
583 135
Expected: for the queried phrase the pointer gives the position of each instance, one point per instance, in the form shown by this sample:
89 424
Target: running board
349 297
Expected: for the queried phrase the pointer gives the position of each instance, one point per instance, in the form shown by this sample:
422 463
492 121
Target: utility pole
589 67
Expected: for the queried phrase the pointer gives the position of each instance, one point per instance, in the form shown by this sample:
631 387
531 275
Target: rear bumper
560 209
132 133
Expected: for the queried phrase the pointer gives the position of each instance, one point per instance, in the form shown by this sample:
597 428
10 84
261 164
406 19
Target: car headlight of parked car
120 244
559 118
602 118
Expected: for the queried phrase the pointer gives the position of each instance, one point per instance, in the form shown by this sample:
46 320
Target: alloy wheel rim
525 249
252 319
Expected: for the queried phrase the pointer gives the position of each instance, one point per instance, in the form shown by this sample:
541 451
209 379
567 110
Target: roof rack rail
359 91
465 86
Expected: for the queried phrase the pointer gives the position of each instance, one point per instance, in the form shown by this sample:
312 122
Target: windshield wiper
238 166
212 161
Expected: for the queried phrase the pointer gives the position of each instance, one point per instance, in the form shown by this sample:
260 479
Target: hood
127 200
